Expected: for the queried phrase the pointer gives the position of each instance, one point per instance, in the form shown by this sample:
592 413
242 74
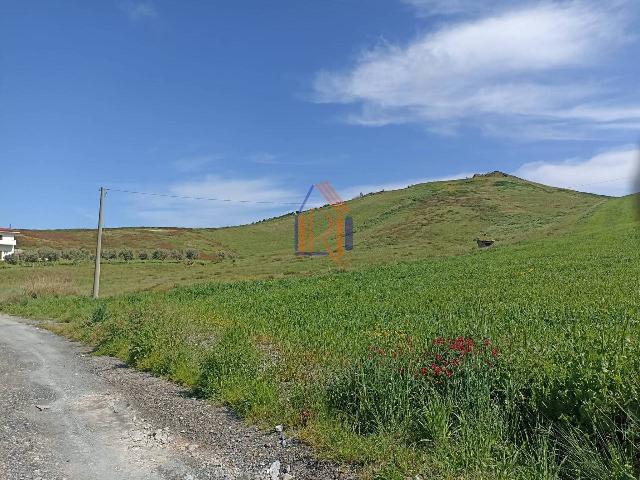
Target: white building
7 242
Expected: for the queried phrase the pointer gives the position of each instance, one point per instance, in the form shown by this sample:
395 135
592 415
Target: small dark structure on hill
484 242
495 173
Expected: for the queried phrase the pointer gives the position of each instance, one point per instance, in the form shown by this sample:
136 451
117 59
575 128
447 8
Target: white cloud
609 173
520 64
140 10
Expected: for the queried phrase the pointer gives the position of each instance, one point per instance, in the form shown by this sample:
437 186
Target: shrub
30 256
160 254
141 343
109 254
99 314
176 254
74 254
126 254
144 255
12 259
191 254
47 254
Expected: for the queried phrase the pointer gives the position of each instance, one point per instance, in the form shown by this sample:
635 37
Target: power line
269 202
186 197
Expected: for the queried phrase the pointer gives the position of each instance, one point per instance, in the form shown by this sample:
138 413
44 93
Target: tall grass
37 286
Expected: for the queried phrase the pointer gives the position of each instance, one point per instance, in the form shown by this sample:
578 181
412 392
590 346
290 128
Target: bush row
46 254
128 254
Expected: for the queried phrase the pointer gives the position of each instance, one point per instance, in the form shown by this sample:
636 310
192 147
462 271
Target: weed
99 314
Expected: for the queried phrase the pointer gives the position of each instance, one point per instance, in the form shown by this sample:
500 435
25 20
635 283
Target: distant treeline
46 254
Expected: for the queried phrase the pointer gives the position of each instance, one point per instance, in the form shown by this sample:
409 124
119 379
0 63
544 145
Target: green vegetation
515 362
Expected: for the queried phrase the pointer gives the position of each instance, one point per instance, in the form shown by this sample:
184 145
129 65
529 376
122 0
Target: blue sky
256 101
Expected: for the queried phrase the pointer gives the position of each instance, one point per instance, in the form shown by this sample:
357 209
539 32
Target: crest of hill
495 173
423 220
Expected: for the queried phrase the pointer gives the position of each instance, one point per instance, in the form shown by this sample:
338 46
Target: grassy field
424 356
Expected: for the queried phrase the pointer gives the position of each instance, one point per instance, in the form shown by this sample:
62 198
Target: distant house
7 242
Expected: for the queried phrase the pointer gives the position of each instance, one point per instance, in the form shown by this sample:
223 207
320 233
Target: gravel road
69 415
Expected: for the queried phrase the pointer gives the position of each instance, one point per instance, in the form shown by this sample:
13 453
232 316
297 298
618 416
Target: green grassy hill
426 356
422 221
431 219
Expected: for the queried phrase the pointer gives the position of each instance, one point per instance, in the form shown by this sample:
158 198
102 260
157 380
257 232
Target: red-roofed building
7 242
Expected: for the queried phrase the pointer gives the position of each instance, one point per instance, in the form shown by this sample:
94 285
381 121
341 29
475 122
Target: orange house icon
336 238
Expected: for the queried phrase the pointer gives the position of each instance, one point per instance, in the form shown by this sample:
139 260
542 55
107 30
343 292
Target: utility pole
96 275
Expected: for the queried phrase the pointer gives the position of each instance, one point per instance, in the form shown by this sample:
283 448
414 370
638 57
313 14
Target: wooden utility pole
96 274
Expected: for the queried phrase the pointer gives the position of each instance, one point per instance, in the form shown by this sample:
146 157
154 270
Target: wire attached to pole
186 197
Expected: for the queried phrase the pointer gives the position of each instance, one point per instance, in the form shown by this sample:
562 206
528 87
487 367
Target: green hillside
438 218
422 221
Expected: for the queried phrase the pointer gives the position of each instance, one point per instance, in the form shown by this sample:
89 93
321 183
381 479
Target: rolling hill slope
431 219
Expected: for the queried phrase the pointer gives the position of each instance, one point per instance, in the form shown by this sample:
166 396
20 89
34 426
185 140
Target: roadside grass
540 341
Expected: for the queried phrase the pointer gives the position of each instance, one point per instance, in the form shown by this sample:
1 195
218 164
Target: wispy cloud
262 197
194 164
611 172
265 158
519 65
137 11
428 8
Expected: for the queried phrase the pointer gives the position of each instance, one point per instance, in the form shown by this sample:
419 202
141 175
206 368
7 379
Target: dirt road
68 415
